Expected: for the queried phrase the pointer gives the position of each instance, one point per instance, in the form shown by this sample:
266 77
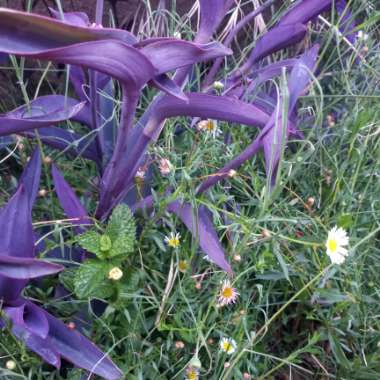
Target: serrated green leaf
122 231
90 241
67 278
105 243
91 280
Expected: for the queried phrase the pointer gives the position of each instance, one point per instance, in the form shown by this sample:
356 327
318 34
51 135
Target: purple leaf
68 200
304 11
17 238
110 57
301 75
212 13
201 228
43 112
75 348
30 32
30 177
56 340
69 142
29 316
24 269
276 39
72 18
164 83
171 54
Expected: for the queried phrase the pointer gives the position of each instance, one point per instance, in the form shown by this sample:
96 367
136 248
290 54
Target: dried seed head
310 201
198 285
265 233
47 160
10 365
237 258
165 166
210 341
71 325
227 365
330 120
179 345
246 376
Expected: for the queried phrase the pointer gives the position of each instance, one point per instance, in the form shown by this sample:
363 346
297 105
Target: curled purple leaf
25 269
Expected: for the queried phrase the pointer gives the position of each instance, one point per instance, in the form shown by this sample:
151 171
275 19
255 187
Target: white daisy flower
227 294
337 239
192 373
210 126
173 239
228 345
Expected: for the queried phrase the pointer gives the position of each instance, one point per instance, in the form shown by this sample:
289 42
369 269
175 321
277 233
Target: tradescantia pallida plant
99 56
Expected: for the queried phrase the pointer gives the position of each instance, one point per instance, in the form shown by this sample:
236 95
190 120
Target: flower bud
179 345
218 86
115 274
10 365
42 193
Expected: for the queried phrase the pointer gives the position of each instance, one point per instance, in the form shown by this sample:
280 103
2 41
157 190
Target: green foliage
91 280
118 239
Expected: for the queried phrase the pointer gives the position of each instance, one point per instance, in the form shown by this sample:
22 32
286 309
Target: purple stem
232 34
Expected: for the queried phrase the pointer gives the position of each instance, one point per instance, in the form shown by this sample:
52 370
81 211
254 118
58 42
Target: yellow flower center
227 292
192 375
182 265
210 125
227 346
173 242
333 245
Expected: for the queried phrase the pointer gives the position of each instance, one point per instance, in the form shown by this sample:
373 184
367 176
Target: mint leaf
122 231
90 241
105 243
91 280
67 278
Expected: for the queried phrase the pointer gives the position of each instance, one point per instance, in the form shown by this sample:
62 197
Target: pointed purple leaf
171 54
212 13
201 228
276 39
304 11
68 200
17 238
24 269
30 177
75 348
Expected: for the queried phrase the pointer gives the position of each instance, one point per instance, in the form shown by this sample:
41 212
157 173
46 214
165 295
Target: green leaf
90 241
338 351
91 280
105 243
67 278
122 231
